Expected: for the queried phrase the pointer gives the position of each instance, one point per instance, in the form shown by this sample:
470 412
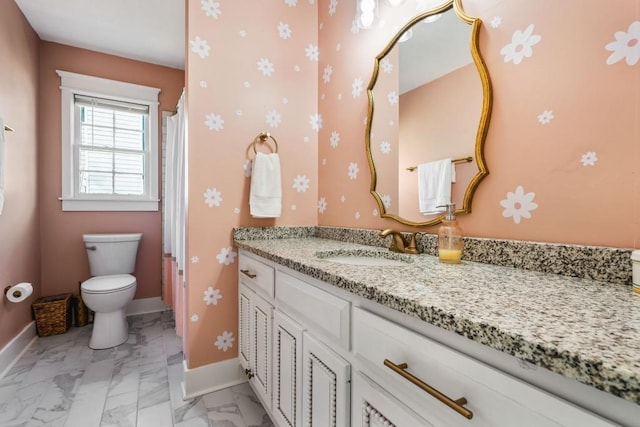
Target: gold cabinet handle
249 275
456 405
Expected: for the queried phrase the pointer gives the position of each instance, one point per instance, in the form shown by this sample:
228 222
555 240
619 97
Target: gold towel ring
263 137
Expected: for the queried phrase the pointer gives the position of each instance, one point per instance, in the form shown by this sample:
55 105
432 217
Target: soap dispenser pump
450 237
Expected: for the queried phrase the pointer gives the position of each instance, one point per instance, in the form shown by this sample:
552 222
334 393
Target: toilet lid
108 283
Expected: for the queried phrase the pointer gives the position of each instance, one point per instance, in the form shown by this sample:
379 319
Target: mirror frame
483 126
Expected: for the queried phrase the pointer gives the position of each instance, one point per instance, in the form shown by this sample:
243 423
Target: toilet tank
111 253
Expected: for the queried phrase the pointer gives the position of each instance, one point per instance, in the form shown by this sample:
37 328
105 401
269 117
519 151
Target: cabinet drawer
493 397
326 314
255 274
373 406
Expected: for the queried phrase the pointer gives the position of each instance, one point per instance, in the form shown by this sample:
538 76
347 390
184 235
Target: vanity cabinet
449 389
255 322
326 385
287 370
287 351
319 356
256 287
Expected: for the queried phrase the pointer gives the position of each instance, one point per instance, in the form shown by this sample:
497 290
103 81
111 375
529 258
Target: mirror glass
429 100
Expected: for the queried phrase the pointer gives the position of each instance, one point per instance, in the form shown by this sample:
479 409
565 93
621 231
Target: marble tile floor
60 381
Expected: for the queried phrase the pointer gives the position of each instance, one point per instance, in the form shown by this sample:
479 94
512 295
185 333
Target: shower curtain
174 216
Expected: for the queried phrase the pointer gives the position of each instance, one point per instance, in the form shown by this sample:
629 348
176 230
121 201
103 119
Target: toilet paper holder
15 293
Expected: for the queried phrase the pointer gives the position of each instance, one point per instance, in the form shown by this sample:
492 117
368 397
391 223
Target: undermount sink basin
365 257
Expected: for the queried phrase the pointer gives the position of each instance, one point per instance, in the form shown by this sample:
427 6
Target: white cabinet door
260 348
244 326
374 407
325 386
287 371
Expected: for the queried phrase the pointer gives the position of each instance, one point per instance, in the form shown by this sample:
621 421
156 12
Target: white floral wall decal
326 74
284 30
225 341
214 122
356 87
200 47
212 296
322 205
375 212
386 65
626 46
247 167
386 201
273 118
226 256
353 170
195 259
195 318
496 21
520 46
545 117
212 197
301 183
315 120
203 84
385 147
211 8
518 205
334 139
332 7
589 158
312 52
291 3
266 67
357 215
393 97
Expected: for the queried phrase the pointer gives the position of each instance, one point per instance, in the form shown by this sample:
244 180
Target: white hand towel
266 190
1 164
434 186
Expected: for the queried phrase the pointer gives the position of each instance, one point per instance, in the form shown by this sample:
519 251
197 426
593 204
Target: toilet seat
108 283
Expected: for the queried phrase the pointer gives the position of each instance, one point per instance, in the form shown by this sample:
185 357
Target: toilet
112 259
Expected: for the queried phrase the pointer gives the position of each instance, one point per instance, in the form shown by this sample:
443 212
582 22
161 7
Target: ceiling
145 30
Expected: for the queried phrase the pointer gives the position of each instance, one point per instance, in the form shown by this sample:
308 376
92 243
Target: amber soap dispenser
450 238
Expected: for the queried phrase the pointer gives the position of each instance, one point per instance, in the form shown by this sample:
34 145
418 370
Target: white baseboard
11 352
146 305
211 377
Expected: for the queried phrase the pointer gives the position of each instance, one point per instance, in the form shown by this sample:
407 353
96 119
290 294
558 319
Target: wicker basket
52 314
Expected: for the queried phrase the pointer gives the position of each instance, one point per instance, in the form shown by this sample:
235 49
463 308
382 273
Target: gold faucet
399 243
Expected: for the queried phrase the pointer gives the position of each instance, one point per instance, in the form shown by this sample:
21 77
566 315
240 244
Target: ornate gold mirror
431 95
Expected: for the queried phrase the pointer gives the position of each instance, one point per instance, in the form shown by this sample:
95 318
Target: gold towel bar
8 128
456 405
460 160
263 137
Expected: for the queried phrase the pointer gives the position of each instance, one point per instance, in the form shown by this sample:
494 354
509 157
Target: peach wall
20 220
594 106
64 260
550 110
251 67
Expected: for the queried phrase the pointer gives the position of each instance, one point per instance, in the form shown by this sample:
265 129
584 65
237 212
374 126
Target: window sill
109 205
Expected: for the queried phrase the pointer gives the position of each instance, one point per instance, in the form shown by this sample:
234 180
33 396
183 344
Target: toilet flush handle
90 248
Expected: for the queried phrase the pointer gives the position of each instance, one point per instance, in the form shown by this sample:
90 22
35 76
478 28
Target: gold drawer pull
456 405
249 275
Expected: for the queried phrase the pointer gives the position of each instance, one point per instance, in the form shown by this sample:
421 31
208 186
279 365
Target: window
109 145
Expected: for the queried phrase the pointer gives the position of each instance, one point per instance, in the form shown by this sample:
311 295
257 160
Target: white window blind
111 146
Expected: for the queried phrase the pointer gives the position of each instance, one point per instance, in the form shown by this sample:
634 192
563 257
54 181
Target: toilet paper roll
19 292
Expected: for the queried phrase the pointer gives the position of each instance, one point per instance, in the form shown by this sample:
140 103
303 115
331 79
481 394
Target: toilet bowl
112 287
108 296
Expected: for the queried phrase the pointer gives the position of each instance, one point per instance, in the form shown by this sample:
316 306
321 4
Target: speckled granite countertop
584 329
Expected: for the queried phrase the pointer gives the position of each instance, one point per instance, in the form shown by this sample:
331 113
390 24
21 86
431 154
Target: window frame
79 84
